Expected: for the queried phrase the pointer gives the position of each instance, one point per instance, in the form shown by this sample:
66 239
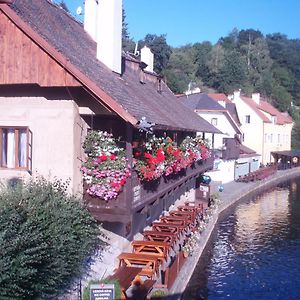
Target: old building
58 80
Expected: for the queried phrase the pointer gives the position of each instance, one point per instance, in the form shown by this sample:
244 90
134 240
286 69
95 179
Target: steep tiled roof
233 112
219 97
264 106
255 107
281 117
200 101
68 38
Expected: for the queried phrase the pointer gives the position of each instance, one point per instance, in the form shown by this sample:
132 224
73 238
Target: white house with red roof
265 129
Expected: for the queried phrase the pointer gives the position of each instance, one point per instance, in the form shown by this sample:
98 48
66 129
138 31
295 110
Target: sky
191 21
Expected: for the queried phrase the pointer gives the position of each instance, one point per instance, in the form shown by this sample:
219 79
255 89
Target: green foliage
157 294
46 240
296 129
127 43
118 290
232 75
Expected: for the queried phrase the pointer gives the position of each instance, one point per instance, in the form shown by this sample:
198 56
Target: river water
254 252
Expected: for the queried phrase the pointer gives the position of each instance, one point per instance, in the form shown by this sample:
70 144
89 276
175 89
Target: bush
46 239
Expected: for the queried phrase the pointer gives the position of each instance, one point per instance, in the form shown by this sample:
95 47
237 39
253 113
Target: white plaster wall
56 130
254 131
222 124
224 173
275 144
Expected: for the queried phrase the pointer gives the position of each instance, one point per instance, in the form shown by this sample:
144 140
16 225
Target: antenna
79 11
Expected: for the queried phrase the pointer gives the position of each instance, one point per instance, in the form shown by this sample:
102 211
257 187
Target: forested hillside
244 59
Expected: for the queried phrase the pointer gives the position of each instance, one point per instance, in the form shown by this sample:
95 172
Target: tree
232 74
46 239
127 42
161 50
181 68
202 56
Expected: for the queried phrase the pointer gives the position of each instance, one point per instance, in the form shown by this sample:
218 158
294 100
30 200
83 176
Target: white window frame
15 154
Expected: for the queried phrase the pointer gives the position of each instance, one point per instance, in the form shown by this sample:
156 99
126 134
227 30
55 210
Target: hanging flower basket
106 169
163 157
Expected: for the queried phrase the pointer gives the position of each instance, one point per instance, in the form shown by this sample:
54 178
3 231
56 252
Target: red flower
113 157
115 185
102 157
123 181
148 155
176 153
169 149
160 156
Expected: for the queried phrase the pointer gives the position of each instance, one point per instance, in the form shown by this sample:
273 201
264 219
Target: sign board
204 188
137 193
203 192
102 292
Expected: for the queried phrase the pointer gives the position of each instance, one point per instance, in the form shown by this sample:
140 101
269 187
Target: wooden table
189 215
175 220
148 263
164 227
151 247
166 237
198 209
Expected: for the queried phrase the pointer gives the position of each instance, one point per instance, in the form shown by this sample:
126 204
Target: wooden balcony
137 195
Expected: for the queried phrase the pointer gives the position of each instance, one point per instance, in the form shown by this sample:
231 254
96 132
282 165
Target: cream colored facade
261 131
57 135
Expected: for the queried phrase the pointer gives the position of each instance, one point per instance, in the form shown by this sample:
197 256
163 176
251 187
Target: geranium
162 156
106 168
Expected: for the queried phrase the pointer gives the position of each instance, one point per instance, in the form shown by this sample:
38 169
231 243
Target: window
247 119
271 138
15 145
214 121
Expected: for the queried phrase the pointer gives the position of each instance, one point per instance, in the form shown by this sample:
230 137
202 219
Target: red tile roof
219 97
264 106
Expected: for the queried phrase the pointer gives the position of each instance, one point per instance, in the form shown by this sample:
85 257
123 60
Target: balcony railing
136 194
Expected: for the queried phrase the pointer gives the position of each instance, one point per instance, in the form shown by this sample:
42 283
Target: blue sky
191 21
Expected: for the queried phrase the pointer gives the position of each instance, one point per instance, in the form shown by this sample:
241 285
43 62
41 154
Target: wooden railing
137 194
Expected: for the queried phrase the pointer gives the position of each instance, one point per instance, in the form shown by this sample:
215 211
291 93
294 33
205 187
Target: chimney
256 97
147 57
90 18
109 33
236 95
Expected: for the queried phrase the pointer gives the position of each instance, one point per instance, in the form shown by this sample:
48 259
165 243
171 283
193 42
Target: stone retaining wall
232 194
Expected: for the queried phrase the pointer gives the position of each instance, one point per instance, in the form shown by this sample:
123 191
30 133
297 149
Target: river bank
232 194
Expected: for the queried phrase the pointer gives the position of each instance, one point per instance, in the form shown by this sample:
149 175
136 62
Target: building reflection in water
261 219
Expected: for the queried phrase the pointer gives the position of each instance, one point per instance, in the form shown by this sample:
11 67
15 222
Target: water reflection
256 251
